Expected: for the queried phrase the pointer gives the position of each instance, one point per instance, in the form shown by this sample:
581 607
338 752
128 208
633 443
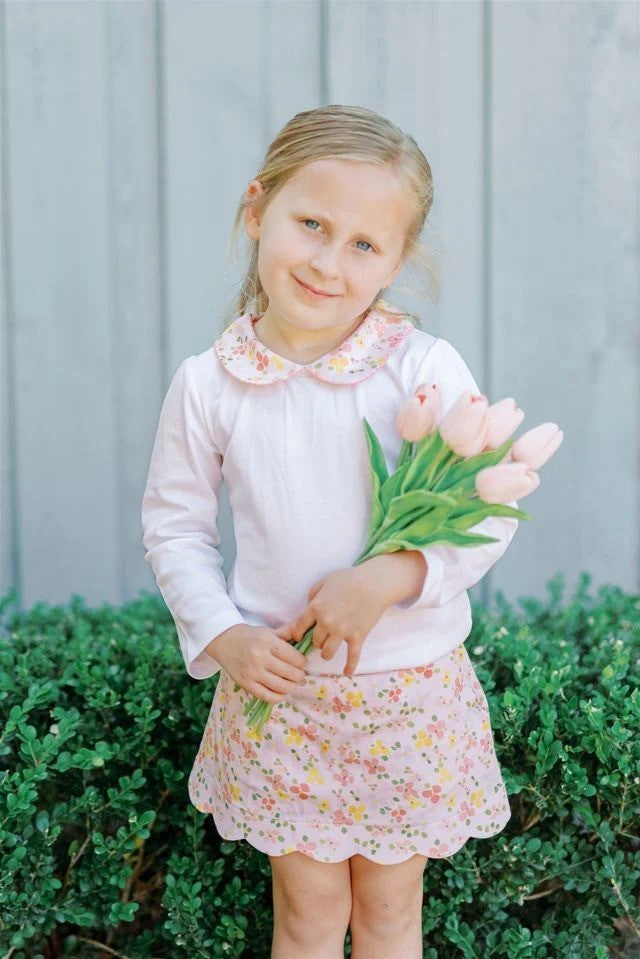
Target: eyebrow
323 217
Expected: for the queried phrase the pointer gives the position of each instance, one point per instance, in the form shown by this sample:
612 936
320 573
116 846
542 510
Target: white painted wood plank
565 147
7 517
58 168
234 74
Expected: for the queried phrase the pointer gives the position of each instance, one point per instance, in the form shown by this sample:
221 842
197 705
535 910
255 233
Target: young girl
379 752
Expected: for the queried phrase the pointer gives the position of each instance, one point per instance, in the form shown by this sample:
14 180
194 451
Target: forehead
351 190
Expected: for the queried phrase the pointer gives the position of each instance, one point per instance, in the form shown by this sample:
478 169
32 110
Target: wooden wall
128 134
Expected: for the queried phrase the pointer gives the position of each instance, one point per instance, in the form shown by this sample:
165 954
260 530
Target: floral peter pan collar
357 358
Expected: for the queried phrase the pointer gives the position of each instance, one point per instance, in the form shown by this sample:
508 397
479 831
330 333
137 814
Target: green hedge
101 846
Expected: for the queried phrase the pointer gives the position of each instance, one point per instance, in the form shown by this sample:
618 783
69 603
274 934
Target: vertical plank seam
487 225
9 388
161 147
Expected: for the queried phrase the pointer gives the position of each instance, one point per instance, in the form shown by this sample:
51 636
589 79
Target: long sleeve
179 522
451 570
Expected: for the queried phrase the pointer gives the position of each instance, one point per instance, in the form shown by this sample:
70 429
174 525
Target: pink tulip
537 445
465 426
506 482
420 414
504 419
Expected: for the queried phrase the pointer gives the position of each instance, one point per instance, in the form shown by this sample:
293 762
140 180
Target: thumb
285 632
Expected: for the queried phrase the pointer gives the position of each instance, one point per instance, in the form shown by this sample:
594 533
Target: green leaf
379 475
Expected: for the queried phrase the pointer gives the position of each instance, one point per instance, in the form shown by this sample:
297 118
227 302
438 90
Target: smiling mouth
312 290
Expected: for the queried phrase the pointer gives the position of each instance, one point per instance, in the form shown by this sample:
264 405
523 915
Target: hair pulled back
346 132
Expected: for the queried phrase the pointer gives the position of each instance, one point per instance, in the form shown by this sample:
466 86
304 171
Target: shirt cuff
200 664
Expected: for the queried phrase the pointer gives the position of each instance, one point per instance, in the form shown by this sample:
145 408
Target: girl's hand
345 606
259 661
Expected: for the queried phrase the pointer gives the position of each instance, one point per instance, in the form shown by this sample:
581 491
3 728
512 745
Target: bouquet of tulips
449 476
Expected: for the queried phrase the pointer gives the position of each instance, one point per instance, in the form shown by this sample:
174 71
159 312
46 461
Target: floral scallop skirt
384 765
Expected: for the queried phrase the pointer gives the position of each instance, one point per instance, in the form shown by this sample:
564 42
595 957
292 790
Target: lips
307 286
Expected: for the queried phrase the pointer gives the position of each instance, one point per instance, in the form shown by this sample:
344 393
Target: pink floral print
381 764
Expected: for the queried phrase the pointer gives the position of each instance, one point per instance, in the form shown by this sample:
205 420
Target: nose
326 261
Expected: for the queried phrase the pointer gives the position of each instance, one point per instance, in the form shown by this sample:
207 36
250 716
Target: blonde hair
344 132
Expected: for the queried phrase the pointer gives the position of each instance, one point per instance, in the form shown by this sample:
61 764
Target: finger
330 647
293 668
262 692
278 683
353 655
304 622
320 636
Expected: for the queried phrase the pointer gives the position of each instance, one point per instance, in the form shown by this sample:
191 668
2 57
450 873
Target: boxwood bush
103 855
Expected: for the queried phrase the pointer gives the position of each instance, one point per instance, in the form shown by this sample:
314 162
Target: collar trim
357 358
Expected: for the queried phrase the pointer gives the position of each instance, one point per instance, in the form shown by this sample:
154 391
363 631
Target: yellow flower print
476 798
235 791
282 794
485 724
379 749
452 739
444 776
294 738
414 801
254 734
446 677
423 739
325 746
356 811
451 804
314 775
289 849
339 363
279 365
408 679
355 698
322 692
323 806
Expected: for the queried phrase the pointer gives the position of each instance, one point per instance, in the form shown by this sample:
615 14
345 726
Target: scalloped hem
316 838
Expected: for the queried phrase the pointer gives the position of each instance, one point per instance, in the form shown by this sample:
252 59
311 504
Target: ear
251 213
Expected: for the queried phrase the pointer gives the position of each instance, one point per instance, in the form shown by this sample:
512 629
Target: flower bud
419 415
537 445
506 482
465 427
504 419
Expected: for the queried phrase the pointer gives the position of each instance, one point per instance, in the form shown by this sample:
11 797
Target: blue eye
310 220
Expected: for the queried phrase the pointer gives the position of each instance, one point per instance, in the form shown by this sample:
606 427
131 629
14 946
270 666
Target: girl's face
337 226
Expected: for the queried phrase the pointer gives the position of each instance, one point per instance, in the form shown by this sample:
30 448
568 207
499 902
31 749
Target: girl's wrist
399 575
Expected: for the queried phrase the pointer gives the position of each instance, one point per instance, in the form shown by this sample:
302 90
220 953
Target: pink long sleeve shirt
289 441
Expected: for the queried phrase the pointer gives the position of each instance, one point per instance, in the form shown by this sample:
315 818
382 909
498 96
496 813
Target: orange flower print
339 819
398 814
374 766
262 361
426 671
395 693
466 810
434 794
437 728
302 790
268 802
343 776
408 790
339 706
